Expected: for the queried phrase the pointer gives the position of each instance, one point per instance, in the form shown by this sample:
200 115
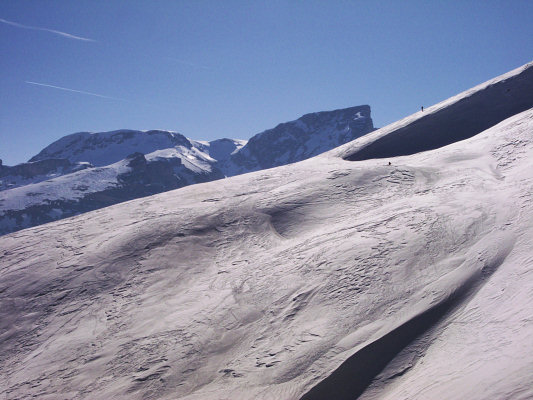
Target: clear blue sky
212 69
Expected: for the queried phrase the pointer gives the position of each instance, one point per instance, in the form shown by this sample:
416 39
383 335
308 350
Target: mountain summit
298 140
104 148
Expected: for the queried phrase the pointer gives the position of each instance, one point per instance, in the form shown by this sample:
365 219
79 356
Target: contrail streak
76 91
36 28
144 103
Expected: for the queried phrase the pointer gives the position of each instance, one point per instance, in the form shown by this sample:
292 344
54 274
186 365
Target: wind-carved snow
322 279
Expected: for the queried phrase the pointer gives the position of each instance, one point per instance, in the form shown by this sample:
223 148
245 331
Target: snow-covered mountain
126 164
298 140
104 148
322 279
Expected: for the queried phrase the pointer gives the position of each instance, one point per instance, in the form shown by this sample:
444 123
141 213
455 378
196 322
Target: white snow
105 148
14 180
192 158
278 283
220 149
67 187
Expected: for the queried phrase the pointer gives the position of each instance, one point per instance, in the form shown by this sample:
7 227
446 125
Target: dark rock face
221 149
298 140
31 172
32 169
160 175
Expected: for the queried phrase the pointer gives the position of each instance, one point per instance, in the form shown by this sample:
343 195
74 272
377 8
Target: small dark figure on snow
422 108
390 163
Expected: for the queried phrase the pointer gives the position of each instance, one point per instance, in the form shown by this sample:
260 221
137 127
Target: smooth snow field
324 279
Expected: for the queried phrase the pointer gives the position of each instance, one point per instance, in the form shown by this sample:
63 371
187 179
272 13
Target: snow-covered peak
104 148
298 140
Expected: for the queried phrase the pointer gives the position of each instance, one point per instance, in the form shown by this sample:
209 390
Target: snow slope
322 279
71 186
220 149
454 119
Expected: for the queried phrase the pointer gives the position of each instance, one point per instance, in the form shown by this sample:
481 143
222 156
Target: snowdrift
322 279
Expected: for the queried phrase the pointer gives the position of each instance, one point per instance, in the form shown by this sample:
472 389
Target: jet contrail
144 103
76 91
36 28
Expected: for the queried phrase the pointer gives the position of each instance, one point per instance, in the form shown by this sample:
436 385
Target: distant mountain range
86 171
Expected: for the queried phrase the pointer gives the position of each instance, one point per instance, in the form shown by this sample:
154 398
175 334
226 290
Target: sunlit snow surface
277 284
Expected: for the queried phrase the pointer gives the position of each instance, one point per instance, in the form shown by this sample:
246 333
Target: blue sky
212 69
